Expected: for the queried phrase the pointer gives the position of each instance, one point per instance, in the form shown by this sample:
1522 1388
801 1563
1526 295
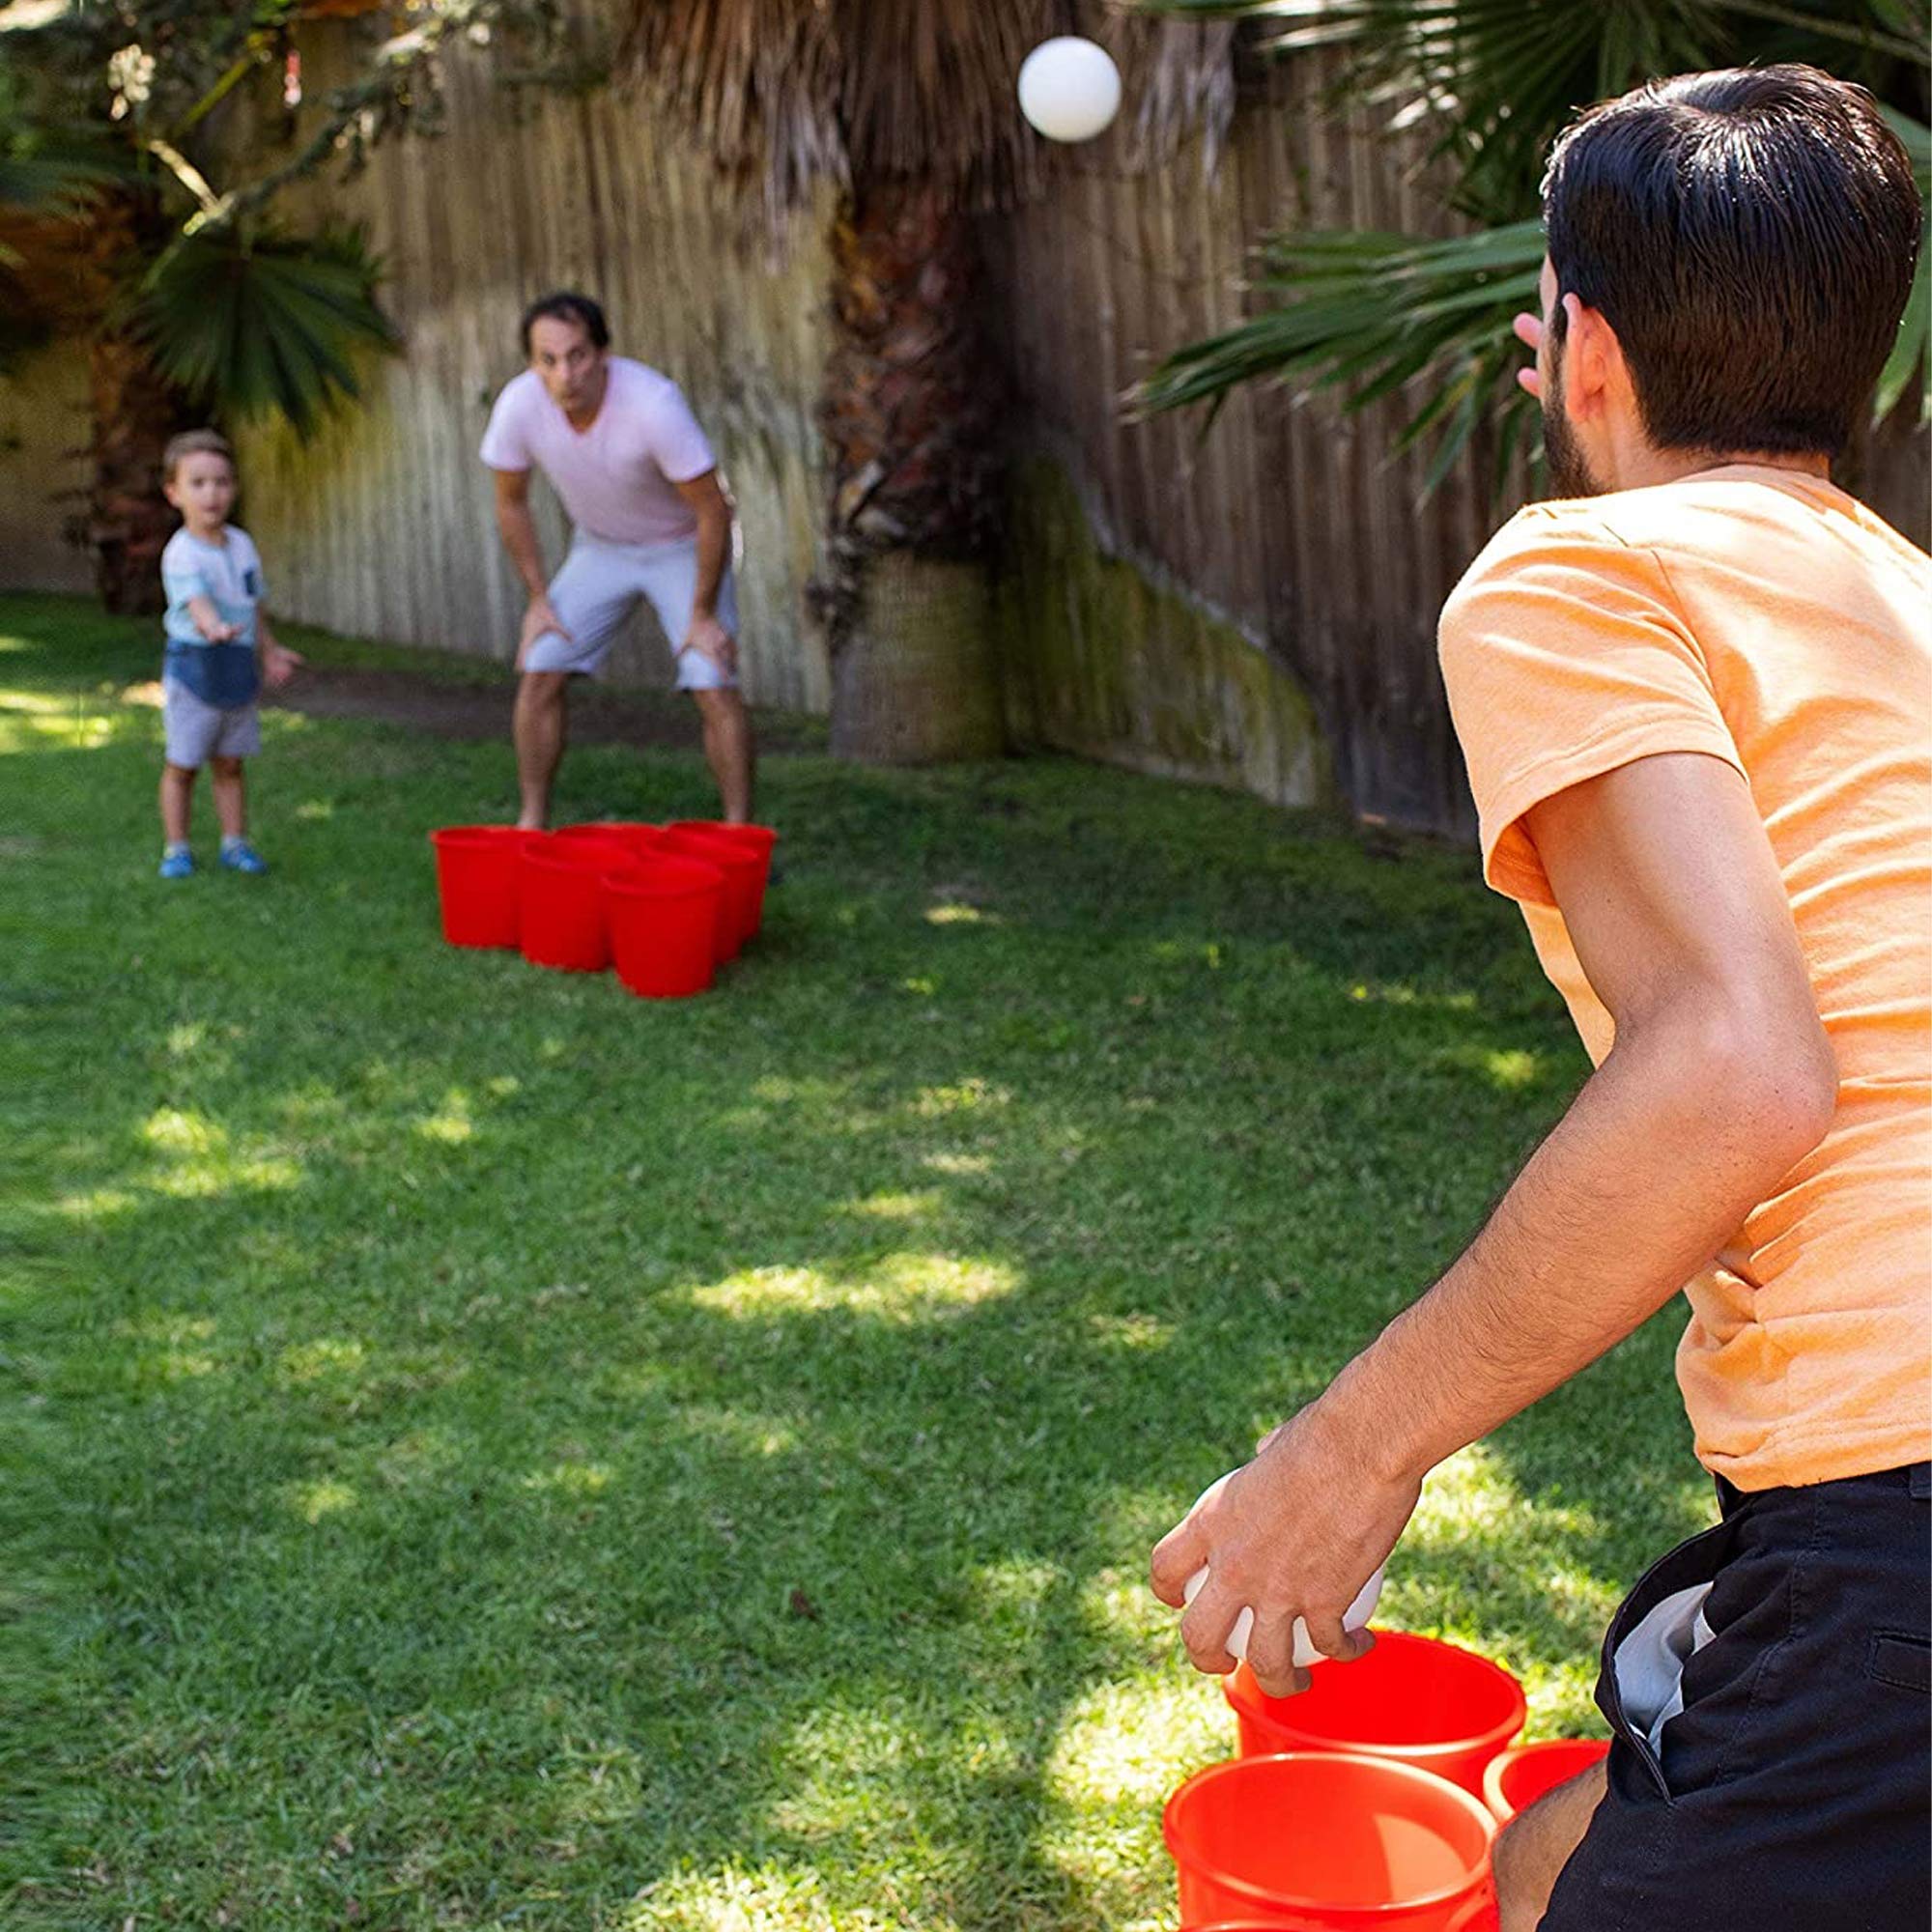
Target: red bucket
743 869
1478 1916
631 835
477 878
563 901
758 838
1429 1704
1328 1840
663 914
1514 1781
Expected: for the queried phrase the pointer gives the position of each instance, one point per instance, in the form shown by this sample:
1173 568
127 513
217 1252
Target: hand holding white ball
1352 1619
1070 87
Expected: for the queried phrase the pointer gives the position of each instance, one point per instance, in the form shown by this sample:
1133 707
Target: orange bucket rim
1590 1750
1282 1901
1257 1704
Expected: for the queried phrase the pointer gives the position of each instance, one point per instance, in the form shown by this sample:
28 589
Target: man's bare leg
538 728
1536 1846
728 750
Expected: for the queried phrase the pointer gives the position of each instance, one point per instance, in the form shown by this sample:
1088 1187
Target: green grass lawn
485 1451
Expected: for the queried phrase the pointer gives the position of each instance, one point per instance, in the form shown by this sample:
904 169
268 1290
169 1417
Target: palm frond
48 172
1496 80
264 324
47 180
1911 354
1370 313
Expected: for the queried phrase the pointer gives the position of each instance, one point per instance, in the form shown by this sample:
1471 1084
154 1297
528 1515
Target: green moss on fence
1101 658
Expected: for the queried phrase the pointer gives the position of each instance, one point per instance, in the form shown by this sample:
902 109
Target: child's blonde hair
194 443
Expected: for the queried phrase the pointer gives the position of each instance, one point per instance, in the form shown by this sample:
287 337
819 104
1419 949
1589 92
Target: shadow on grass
544 1460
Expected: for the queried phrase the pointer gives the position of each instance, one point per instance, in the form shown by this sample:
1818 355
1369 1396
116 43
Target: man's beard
1568 471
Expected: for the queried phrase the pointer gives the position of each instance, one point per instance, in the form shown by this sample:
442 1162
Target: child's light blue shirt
228 575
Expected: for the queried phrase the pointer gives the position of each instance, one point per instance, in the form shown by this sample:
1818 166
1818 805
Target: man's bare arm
713 508
1720 1080
519 530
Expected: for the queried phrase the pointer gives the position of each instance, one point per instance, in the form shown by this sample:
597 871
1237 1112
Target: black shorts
1793 1792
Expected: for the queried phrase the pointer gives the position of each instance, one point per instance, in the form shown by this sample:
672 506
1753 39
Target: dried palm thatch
788 93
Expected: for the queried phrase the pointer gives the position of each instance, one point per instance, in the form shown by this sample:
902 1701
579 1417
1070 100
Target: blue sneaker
178 865
239 856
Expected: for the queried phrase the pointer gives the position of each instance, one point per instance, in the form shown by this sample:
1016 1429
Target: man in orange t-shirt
1696 698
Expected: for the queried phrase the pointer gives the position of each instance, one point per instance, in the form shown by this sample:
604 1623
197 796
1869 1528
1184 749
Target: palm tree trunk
134 413
129 521
909 412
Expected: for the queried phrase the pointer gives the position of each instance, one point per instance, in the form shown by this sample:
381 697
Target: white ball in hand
1070 87
1352 1618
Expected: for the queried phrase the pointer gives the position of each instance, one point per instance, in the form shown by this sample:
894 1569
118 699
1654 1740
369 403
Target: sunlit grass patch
572 1479
503 1454
1131 1331
450 1123
896 1204
1134 1741
325 1497
735 1899
327 1356
903 1286
965 1097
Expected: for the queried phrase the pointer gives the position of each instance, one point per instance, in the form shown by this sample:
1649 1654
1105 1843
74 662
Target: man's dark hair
567 305
1750 236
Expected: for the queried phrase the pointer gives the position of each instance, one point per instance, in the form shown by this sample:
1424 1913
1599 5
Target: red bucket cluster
665 905
1372 1800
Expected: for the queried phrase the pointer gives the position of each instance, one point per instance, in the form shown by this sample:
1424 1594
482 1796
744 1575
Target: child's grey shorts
197 730
597 588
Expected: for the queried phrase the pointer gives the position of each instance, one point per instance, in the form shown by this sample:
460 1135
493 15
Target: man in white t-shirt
649 519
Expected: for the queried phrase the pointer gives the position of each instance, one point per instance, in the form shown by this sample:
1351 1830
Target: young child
220 652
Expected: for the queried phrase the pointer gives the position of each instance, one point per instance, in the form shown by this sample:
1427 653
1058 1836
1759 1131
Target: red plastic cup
759 839
477 882
663 918
1515 1779
1478 1916
631 836
1423 1702
562 909
744 871
1330 1841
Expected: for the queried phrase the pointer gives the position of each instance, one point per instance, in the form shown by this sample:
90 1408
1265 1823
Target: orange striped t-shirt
1766 618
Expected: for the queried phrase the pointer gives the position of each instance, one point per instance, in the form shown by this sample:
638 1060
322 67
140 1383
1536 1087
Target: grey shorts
197 730
596 590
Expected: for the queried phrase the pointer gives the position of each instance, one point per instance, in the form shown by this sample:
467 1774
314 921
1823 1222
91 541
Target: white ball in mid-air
1070 87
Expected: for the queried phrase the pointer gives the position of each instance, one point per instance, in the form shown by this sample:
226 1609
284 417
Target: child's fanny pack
219 674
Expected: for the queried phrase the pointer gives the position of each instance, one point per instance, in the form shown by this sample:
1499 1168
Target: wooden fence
1292 520
385 526
1254 604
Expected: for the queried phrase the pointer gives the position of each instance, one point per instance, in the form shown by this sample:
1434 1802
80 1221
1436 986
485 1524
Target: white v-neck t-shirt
617 479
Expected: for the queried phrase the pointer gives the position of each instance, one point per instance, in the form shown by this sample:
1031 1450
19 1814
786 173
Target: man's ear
1593 359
